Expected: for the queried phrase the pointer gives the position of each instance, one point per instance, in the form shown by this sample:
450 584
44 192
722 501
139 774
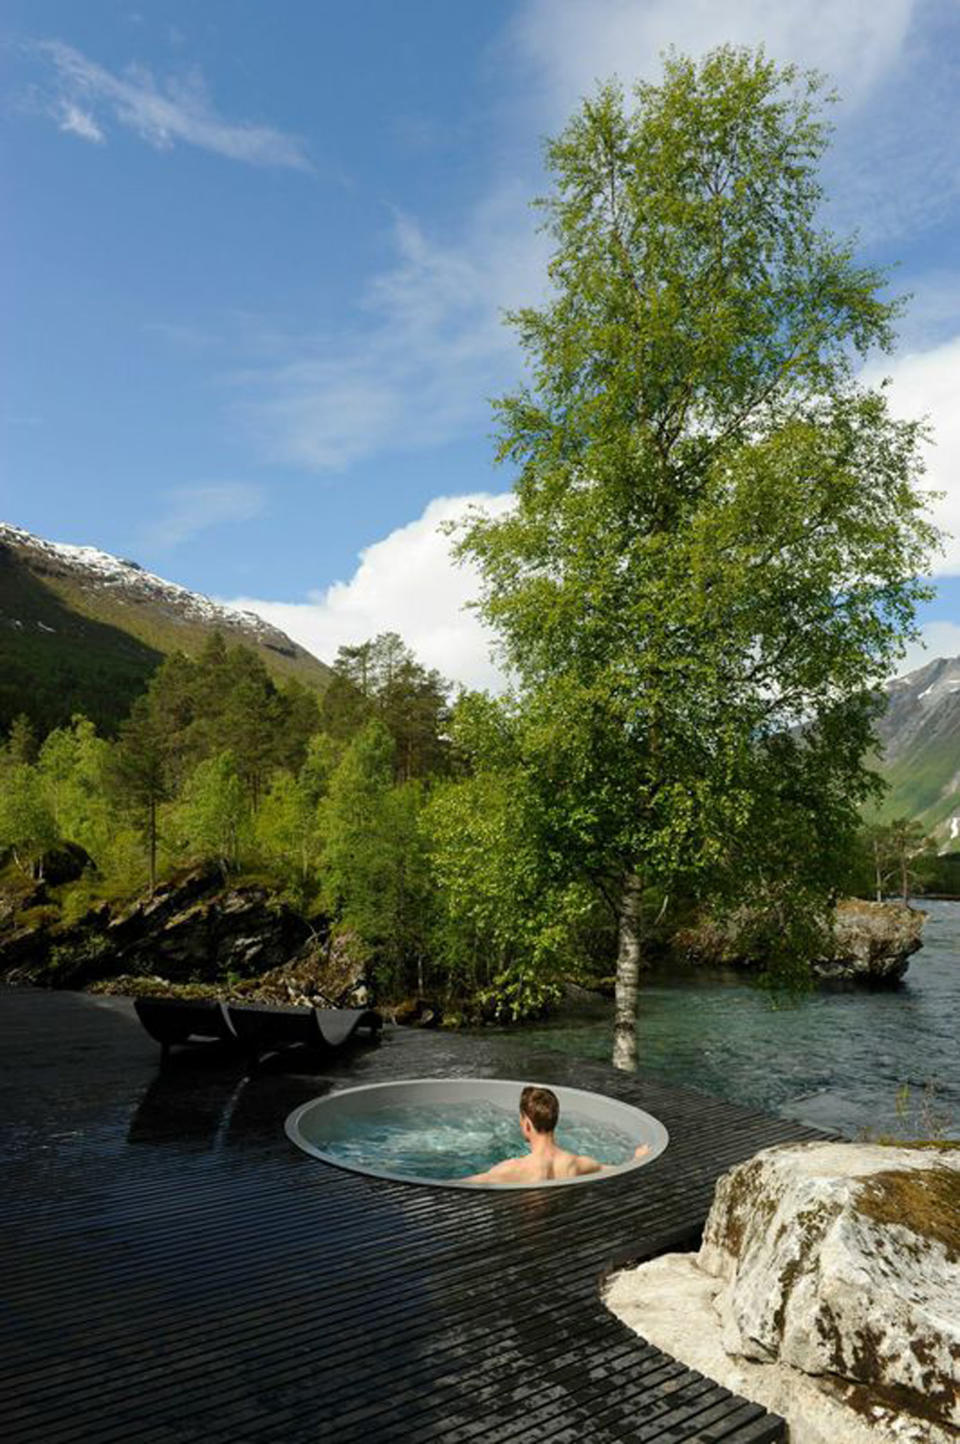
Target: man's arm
585 1164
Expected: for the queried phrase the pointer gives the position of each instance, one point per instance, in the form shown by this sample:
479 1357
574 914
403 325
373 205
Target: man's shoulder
583 1163
512 1170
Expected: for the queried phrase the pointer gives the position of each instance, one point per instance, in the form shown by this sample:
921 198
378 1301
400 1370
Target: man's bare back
546 1159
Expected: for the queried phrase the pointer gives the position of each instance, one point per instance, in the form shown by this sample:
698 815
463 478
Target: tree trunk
152 824
628 974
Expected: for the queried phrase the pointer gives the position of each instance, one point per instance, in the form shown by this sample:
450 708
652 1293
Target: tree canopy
716 546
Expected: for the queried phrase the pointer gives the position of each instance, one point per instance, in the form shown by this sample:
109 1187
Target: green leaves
503 923
374 871
215 813
27 824
718 535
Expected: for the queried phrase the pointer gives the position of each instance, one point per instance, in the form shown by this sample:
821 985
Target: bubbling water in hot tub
444 1140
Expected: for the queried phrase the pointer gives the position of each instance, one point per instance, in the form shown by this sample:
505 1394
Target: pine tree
21 745
138 775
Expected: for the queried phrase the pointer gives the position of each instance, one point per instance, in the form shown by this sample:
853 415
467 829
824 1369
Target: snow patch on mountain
128 579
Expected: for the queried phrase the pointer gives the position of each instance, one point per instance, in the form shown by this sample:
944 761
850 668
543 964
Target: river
851 1059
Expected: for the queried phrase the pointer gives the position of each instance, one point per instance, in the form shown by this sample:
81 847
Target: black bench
184 1020
264 1029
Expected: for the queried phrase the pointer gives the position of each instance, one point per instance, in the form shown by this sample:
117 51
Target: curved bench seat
257 1028
182 1020
266 1029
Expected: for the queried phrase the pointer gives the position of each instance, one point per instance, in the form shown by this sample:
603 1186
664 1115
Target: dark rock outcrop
323 974
872 941
193 929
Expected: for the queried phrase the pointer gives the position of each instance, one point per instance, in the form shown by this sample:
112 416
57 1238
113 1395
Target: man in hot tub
539 1111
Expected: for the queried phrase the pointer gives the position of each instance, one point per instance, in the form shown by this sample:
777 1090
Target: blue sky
258 255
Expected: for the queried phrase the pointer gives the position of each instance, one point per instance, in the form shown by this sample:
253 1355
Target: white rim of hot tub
636 1123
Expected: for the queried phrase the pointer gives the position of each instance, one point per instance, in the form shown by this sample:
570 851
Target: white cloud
162 114
430 349
939 639
568 45
927 383
409 583
893 170
191 510
406 583
79 122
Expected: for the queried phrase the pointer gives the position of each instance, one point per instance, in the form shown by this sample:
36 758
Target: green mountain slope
920 734
82 631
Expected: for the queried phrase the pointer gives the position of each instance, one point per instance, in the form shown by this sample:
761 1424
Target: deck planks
175 1270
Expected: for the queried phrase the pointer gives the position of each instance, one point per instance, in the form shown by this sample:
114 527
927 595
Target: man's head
539 1111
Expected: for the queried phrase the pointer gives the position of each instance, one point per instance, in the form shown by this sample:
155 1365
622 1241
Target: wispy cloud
409 583
163 113
427 347
565 46
192 510
893 170
426 352
79 122
933 310
938 639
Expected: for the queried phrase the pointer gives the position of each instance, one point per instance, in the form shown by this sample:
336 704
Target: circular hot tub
437 1131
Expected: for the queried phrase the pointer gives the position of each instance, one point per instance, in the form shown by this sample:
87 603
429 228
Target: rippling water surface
855 1060
451 1140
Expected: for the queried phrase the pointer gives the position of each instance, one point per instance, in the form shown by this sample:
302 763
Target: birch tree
718 538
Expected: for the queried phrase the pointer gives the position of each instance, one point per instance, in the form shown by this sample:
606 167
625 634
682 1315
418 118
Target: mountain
920 733
82 631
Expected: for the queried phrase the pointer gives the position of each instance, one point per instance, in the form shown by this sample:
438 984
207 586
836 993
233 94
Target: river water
849 1059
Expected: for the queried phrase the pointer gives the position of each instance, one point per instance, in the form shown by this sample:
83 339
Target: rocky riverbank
194 934
869 942
199 930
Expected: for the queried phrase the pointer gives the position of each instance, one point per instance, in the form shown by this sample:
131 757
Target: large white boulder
669 1301
843 1259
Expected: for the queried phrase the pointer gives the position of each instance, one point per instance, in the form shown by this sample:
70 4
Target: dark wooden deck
173 1269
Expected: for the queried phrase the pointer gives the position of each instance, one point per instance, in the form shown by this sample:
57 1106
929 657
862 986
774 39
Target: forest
395 817
366 808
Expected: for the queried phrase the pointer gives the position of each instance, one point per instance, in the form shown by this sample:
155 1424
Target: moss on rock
925 1202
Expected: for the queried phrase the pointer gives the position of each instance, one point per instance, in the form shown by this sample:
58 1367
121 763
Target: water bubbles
452 1140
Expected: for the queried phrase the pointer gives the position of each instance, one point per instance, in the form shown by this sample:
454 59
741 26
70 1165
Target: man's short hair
540 1105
